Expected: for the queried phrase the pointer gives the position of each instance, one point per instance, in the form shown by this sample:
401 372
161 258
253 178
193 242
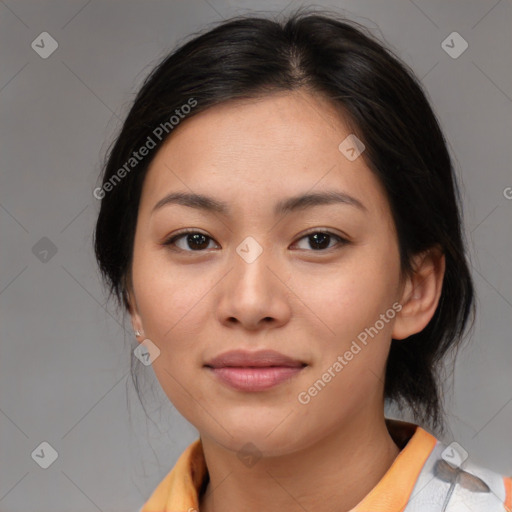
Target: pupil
323 237
197 241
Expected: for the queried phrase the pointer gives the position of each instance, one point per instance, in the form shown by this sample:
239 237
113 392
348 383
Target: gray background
64 375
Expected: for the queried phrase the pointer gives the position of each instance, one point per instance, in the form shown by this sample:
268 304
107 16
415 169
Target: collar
182 486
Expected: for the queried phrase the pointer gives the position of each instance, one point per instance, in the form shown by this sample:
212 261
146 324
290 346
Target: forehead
260 150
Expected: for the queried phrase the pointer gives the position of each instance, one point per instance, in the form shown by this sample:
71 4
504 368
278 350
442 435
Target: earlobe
421 294
136 324
134 314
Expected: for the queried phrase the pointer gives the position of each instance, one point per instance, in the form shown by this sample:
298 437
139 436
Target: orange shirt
426 476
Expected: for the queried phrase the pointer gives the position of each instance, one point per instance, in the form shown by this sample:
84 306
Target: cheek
170 298
344 299
173 315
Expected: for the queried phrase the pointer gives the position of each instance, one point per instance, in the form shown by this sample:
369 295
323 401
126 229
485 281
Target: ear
420 293
133 309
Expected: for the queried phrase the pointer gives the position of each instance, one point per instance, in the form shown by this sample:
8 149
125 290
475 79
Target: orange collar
179 490
394 489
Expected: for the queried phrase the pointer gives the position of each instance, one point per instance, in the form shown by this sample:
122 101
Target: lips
259 359
254 371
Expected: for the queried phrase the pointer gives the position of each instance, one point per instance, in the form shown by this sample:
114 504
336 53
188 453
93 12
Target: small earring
137 333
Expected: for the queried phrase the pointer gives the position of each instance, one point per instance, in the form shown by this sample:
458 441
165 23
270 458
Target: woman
281 220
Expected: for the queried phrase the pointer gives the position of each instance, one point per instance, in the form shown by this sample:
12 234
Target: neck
335 473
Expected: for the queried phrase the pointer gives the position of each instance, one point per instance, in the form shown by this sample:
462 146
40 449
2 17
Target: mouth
254 371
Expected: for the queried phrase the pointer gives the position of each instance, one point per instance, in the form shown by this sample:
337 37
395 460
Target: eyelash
171 241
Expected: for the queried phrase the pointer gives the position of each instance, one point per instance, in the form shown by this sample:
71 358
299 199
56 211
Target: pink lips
254 371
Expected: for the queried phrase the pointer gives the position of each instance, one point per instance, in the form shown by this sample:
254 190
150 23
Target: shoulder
449 481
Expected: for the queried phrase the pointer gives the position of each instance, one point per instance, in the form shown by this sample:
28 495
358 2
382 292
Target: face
308 281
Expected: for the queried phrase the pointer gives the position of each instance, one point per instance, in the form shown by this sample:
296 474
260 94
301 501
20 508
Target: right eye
193 239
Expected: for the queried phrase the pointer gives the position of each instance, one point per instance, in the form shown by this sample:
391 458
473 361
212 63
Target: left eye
317 240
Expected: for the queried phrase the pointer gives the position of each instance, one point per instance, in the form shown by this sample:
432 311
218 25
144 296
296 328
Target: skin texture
307 303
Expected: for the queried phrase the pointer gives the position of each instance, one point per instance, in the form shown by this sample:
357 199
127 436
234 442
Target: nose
253 294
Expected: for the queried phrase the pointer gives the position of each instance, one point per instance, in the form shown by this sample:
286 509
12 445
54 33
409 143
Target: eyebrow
295 203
